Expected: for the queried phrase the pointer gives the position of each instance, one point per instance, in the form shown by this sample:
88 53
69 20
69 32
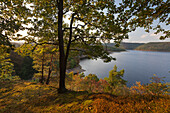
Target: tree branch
36 44
80 37
70 38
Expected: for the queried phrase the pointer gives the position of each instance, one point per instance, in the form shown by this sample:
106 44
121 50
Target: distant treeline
131 46
151 46
123 46
155 46
110 47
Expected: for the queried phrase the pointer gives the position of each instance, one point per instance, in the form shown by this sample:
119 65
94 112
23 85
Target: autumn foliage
86 95
29 97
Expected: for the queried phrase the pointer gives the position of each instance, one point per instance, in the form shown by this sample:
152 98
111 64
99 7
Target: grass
28 97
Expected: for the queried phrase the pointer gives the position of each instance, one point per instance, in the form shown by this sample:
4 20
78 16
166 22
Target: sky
140 36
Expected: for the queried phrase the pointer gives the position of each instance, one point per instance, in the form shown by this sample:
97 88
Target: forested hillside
151 46
155 46
131 46
123 46
111 47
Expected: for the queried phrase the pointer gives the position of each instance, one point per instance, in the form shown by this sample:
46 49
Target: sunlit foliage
156 87
6 67
114 84
155 46
20 96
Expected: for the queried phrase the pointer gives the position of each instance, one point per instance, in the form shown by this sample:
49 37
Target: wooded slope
155 46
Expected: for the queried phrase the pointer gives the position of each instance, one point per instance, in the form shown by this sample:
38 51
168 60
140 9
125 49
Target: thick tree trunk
62 63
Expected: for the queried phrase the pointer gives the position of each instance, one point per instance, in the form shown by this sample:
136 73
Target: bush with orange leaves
156 87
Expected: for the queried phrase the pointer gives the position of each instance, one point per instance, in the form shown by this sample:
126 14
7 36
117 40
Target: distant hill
111 47
131 46
123 46
155 46
151 46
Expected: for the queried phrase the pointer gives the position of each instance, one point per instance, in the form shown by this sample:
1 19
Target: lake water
138 65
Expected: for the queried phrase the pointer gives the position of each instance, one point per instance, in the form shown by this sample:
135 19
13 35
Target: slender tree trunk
50 70
62 65
42 70
70 37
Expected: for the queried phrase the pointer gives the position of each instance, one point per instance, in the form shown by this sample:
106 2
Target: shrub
154 88
91 83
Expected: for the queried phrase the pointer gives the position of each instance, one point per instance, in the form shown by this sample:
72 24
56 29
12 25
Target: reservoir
138 66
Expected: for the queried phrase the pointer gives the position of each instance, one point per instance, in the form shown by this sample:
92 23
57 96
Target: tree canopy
143 13
12 13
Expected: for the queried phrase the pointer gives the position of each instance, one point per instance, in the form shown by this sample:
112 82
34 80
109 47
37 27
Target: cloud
152 34
144 36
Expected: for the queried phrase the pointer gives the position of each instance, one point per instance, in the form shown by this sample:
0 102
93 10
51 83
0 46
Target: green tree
6 67
143 13
115 77
44 58
11 12
89 26
27 70
92 77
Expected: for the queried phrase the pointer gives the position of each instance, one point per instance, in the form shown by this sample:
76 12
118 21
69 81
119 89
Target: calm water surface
138 65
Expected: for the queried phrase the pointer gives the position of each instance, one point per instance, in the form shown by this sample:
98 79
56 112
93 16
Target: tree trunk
42 70
48 79
62 63
50 70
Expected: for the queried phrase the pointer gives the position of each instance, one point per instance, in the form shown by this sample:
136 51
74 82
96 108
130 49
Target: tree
6 67
92 27
12 14
27 70
91 23
11 22
44 57
115 77
92 77
143 13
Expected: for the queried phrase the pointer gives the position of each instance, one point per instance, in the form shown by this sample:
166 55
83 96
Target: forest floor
29 97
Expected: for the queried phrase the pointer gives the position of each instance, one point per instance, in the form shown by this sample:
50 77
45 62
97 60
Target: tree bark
62 63
50 70
42 70
70 37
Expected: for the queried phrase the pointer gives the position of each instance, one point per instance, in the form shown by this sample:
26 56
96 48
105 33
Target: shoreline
76 70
